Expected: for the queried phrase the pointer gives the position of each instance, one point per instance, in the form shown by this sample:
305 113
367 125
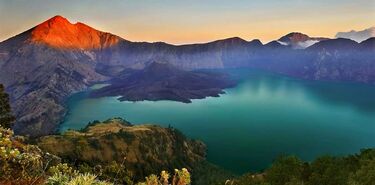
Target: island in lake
163 81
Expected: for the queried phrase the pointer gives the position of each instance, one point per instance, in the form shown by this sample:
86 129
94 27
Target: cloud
307 43
300 45
358 36
282 43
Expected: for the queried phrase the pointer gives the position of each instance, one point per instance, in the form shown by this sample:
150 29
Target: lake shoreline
265 116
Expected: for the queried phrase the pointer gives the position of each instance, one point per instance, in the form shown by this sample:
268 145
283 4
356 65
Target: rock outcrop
144 149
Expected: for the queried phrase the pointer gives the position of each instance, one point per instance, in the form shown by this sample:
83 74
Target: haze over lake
265 116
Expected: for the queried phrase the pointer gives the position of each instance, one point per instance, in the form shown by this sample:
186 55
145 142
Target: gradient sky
191 21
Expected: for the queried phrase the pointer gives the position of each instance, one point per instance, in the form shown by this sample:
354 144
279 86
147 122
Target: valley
40 71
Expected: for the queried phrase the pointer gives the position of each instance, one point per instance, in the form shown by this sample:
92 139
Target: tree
329 170
6 117
365 175
286 169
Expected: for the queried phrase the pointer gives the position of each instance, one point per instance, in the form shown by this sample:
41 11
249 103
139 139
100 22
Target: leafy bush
86 179
58 179
80 179
365 175
19 162
116 173
62 174
180 177
356 169
112 172
284 170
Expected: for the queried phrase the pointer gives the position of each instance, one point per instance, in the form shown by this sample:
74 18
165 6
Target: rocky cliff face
342 60
44 65
218 54
39 79
144 149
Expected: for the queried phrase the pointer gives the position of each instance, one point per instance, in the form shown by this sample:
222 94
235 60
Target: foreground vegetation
356 169
115 143
23 163
27 164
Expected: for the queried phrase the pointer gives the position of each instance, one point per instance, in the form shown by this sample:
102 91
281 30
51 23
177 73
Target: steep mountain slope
218 54
40 77
342 60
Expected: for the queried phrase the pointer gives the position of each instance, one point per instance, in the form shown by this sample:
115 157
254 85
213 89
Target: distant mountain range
43 66
358 36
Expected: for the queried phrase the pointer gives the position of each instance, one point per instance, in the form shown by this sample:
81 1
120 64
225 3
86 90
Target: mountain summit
58 32
294 37
299 40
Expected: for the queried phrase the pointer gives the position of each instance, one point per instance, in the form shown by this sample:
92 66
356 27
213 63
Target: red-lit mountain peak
60 33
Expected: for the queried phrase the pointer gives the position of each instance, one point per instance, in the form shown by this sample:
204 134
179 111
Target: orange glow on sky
195 21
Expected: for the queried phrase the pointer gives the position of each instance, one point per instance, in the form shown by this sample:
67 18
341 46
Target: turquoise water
263 117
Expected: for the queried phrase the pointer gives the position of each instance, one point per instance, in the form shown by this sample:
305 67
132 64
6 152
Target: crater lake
264 116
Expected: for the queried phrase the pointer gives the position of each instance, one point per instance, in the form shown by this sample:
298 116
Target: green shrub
180 177
116 173
19 162
62 174
86 179
284 170
365 175
62 168
58 179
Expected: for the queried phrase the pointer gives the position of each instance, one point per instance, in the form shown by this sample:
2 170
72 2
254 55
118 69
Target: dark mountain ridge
335 44
46 64
163 81
368 44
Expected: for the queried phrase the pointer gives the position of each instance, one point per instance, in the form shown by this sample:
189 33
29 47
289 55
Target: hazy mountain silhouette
358 36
